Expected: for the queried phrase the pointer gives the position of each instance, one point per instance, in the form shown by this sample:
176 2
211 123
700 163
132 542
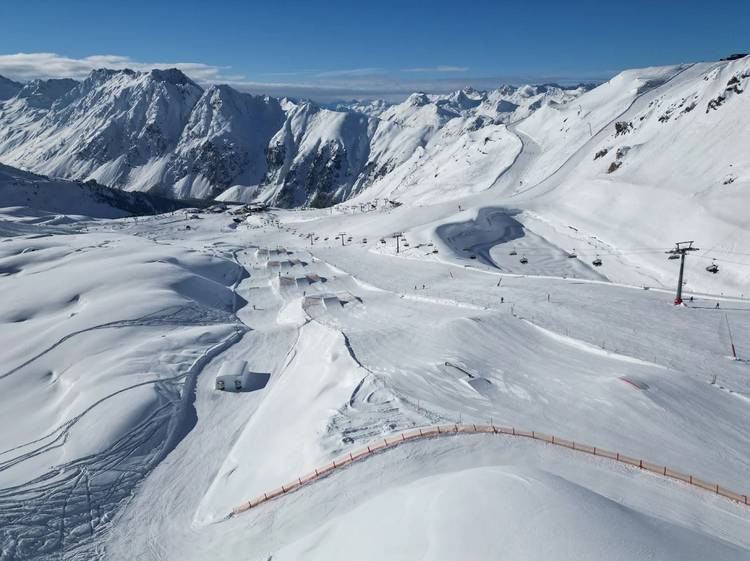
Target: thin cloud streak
437 69
29 66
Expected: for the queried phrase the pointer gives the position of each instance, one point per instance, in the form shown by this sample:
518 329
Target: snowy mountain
160 132
371 108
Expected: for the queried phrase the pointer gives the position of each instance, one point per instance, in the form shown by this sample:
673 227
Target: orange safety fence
445 430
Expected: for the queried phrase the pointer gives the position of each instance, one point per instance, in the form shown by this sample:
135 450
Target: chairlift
524 260
597 262
513 252
673 256
713 268
572 254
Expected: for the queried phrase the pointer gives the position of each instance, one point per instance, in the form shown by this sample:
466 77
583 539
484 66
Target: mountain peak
171 75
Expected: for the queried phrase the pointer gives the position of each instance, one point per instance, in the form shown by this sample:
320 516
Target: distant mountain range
162 133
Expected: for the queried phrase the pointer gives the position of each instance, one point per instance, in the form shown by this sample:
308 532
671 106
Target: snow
515 506
116 330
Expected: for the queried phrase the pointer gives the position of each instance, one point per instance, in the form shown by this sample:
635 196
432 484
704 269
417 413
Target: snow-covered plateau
492 258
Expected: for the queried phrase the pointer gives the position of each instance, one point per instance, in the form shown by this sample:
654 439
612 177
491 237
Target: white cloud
27 66
441 68
350 72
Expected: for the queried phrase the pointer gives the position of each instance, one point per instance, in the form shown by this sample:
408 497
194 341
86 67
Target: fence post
402 437
553 439
316 472
594 450
640 464
350 456
420 432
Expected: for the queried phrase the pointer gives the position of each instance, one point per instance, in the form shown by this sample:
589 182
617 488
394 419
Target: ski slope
355 348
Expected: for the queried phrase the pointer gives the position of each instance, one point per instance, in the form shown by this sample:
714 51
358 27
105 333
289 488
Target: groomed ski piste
117 445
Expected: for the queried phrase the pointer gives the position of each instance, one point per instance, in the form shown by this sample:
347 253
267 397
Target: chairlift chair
713 268
572 254
597 262
673 256
513 252
524 260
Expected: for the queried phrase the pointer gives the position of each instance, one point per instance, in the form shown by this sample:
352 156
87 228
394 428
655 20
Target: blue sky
342 49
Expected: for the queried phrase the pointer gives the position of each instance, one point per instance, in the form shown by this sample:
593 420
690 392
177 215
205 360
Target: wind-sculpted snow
104 337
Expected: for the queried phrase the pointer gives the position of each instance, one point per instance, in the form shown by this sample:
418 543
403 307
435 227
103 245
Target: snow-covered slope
56 197
117 444
648 159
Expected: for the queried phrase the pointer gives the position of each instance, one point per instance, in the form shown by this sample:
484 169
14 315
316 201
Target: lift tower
681 249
